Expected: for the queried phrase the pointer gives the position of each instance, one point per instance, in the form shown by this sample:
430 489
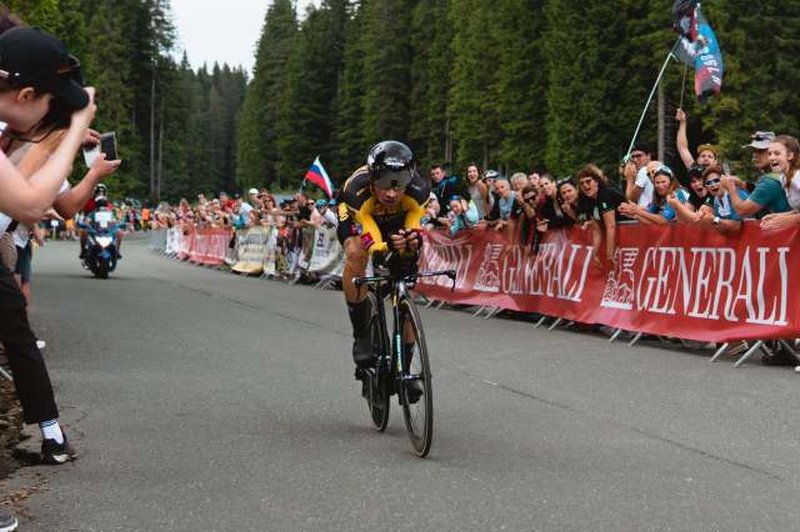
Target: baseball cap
760 140
253 191
321 203
708 147
30 57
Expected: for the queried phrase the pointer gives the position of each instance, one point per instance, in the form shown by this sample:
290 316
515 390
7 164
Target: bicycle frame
398 289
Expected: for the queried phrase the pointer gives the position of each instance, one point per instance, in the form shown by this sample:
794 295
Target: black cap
30 57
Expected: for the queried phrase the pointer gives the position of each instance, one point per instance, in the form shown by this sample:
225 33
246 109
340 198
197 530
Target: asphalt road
200 400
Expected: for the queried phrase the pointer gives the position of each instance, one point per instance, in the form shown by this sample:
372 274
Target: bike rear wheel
416 394
378 383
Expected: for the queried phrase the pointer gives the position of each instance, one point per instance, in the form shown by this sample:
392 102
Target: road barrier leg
440 305
554 324
756 346
430 303
789 348
540 322
479 311
615 336
492 312
720 351
635 339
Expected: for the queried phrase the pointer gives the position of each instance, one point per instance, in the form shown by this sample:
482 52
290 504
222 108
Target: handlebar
407 277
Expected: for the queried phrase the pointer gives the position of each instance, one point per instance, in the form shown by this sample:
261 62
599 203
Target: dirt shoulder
10 427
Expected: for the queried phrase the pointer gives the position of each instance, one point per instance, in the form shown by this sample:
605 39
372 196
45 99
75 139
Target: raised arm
682 141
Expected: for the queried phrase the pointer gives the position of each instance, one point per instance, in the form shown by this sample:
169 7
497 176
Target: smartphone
726 169
107 145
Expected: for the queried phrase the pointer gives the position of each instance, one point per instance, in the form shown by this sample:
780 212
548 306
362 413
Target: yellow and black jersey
358 207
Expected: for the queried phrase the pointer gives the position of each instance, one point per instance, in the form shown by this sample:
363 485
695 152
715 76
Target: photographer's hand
91 139
101 168
83 118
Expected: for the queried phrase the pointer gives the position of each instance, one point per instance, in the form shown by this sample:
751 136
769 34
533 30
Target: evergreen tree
347 133
387 70
257 143
472 106
521 84
305 121
585 66
431 38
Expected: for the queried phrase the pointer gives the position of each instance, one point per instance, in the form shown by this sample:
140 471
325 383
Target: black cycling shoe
414 392
362 353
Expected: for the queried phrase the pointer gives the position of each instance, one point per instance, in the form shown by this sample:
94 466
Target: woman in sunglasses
720 215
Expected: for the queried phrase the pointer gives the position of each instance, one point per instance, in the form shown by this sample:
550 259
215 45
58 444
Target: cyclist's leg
358 307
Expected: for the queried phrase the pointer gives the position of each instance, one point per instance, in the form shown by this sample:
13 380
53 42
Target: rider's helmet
391 165
100 191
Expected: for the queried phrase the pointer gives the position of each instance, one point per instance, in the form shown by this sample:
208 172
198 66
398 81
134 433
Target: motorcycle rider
99 203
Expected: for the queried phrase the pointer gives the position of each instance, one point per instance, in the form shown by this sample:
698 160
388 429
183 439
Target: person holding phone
36 71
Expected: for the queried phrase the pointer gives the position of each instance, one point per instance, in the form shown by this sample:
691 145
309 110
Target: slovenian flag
318 176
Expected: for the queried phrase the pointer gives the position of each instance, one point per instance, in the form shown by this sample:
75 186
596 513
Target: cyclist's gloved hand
413 240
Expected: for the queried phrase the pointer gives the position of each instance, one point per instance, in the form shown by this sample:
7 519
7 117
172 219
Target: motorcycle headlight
104 241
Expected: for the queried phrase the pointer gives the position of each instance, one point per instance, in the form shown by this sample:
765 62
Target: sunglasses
712 182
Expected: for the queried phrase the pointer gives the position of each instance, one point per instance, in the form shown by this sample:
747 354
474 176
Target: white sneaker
41 344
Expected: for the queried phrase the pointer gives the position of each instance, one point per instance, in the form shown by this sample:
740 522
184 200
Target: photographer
37 75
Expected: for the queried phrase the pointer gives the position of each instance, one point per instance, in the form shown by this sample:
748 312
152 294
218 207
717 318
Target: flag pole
647 105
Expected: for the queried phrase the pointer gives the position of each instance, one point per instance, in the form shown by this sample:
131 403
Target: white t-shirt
793 193
22 233
643 181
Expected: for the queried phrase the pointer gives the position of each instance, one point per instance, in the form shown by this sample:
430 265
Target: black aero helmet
391 164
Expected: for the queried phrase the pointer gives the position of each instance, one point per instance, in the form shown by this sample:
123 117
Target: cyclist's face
388 197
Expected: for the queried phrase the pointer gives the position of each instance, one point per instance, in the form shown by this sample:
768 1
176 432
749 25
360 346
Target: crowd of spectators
651 193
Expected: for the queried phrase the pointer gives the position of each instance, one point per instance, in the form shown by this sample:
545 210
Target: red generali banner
204 246
681 281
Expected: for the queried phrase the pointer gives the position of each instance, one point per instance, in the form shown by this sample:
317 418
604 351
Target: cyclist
380 209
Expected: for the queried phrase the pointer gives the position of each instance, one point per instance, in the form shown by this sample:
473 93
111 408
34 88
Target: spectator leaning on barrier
791 171
668 198
519 181
759 143
506 207
638 185
597 209
463 215
720 215
551 215
568 197
477 190
445 186
769 195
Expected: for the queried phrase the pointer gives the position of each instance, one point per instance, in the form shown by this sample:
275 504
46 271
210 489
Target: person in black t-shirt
597 210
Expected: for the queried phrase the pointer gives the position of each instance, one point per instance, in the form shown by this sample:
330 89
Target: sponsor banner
209 246
251 248
679 281
158 240
327 257
173 241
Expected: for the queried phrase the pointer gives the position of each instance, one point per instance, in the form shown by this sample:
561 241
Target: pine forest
512 85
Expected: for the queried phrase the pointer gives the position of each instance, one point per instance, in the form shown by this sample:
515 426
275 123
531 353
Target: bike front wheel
416 393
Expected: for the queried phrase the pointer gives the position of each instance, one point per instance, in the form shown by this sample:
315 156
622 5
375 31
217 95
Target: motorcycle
100 253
